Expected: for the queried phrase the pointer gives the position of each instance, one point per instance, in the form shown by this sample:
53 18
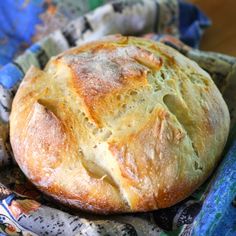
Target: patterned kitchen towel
25 21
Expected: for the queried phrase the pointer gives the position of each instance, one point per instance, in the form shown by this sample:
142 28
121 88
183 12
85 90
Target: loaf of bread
123 124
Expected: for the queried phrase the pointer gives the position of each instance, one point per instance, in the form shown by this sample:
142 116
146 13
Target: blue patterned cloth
218 214
18 19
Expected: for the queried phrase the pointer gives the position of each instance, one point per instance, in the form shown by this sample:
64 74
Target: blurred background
221 36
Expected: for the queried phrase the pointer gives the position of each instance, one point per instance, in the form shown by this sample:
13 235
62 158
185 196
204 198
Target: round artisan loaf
119 125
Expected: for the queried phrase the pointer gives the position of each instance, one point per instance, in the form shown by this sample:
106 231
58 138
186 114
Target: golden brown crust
119 125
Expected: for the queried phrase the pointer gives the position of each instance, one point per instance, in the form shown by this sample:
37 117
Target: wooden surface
221 36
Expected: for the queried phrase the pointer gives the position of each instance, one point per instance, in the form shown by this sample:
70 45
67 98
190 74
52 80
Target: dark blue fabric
192 22
18 19
219 208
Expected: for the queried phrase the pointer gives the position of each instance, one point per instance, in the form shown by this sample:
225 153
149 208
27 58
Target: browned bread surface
119 125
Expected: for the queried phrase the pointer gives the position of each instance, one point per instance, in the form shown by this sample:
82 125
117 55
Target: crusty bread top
119 125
